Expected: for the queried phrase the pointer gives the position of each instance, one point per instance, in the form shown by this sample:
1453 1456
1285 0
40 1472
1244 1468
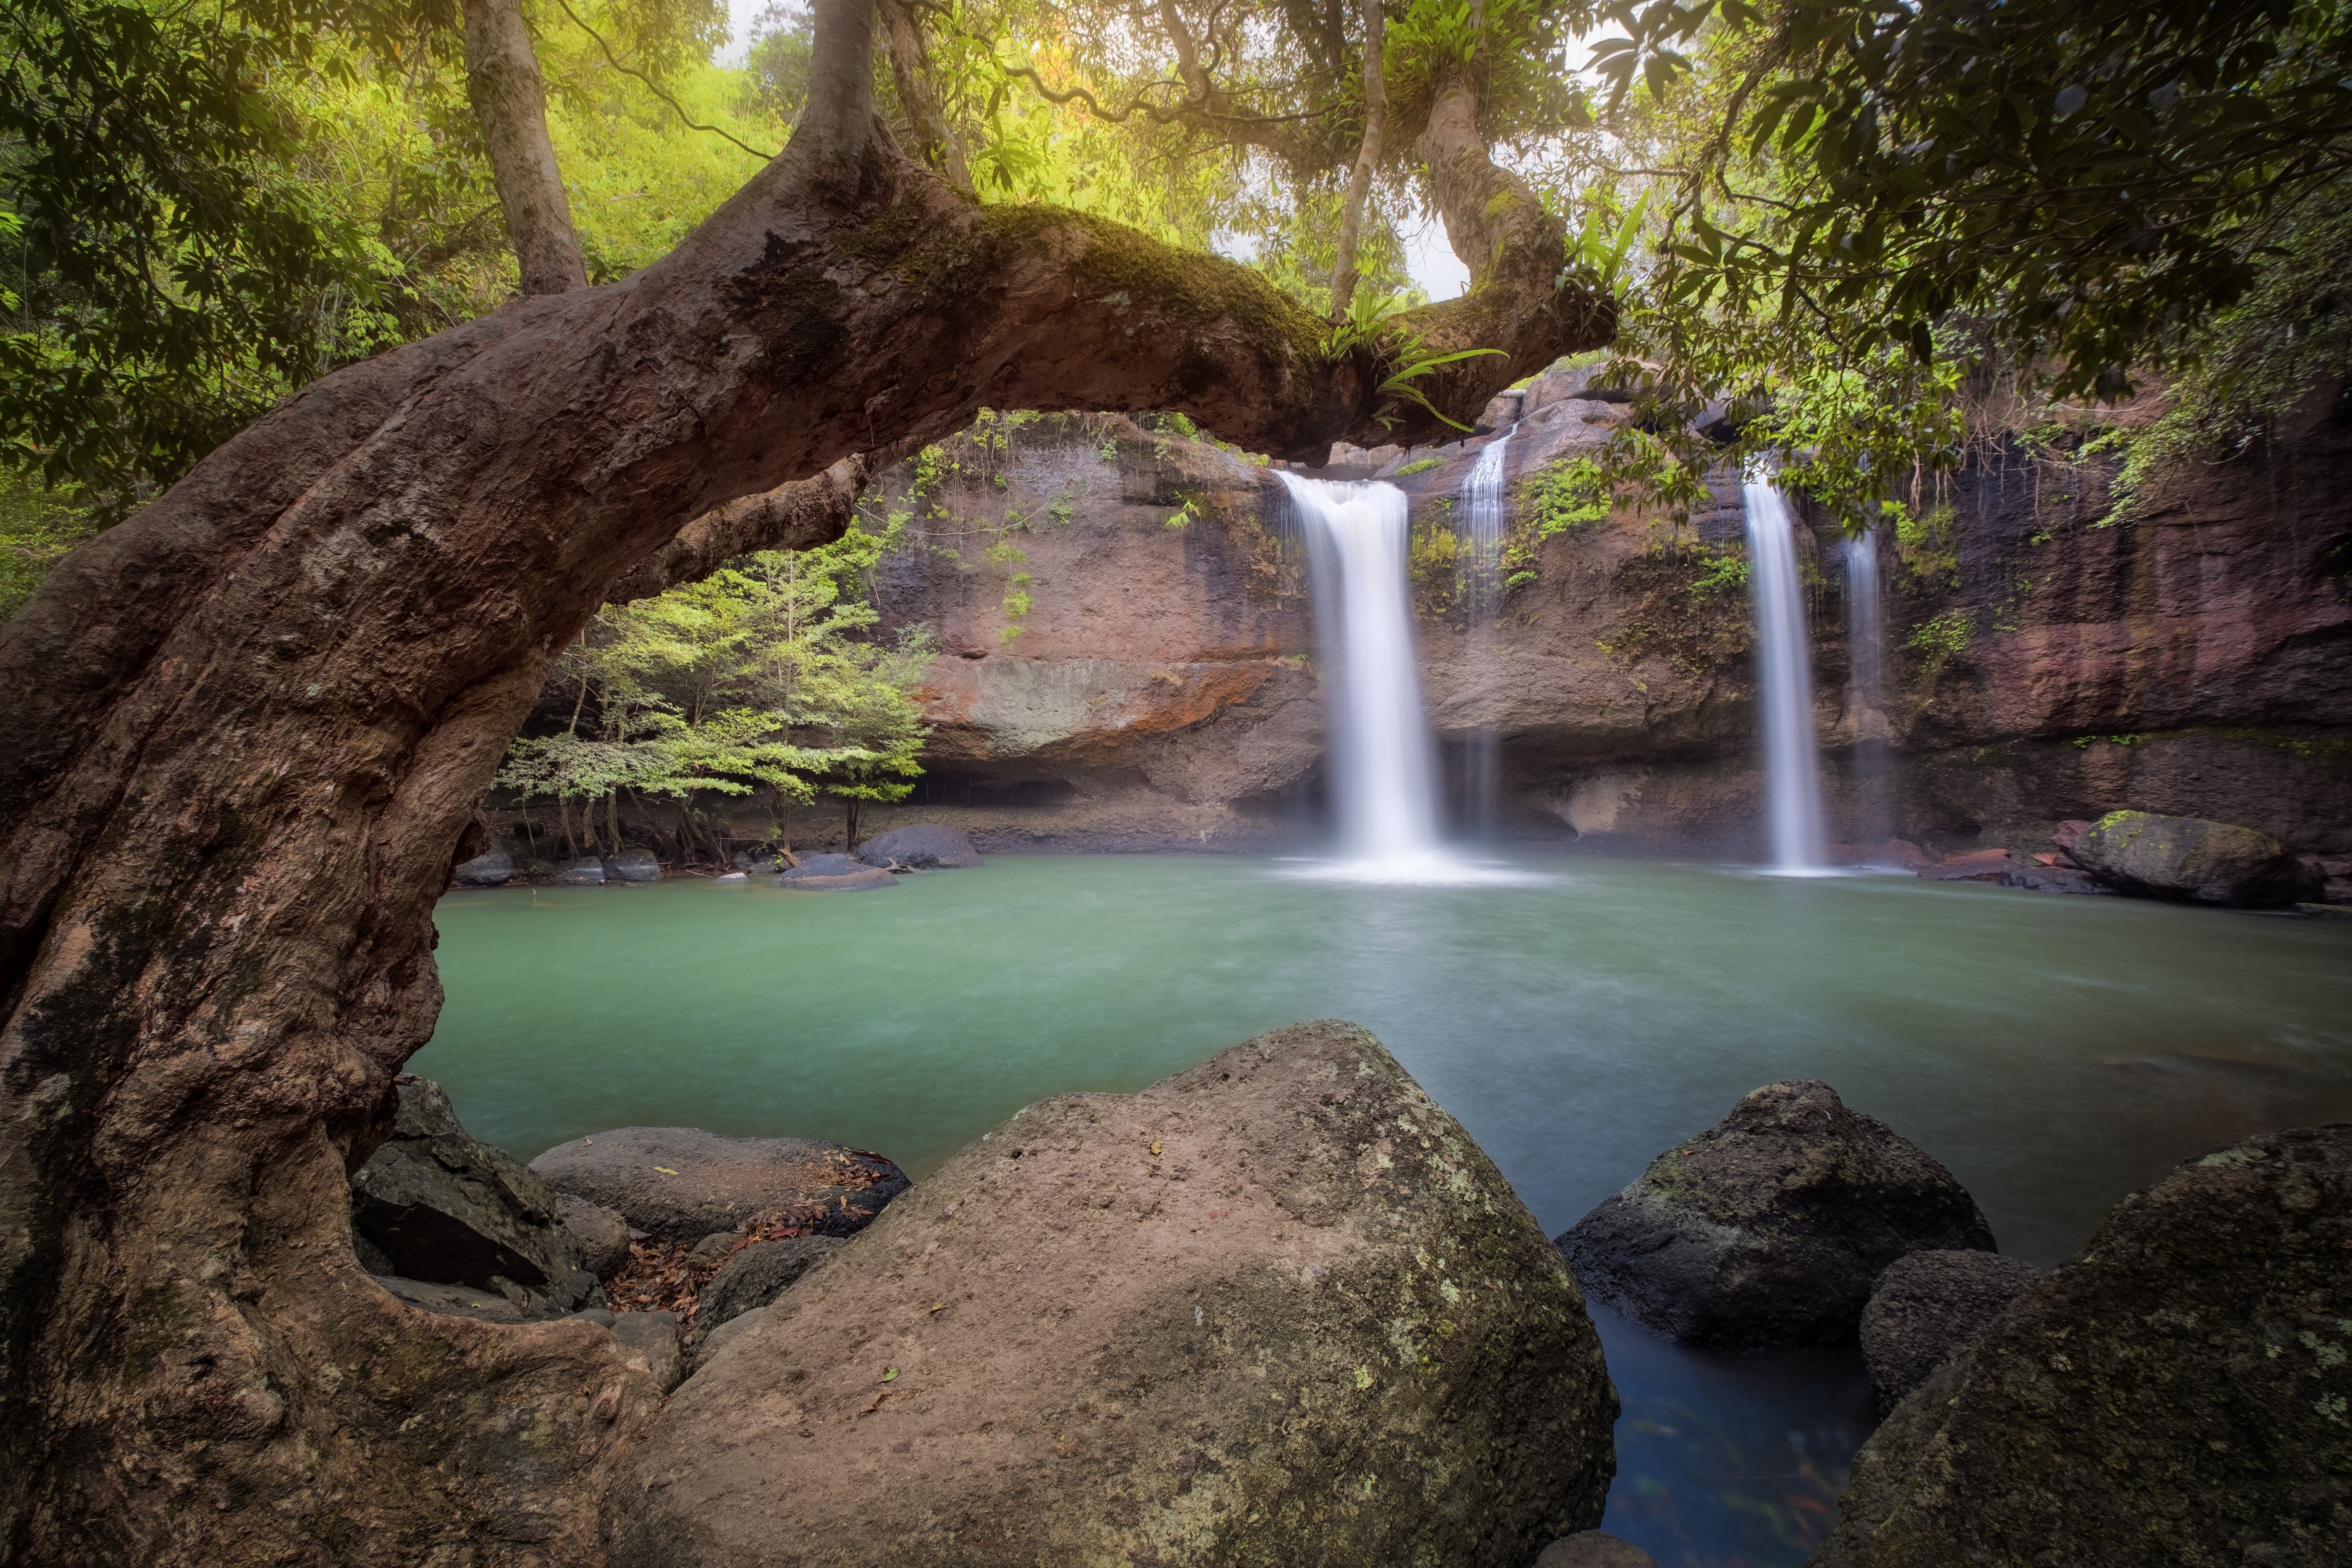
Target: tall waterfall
1384 770
1784 663
1486 517
1866 641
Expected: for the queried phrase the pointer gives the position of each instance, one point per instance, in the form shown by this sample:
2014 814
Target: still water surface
2056 1053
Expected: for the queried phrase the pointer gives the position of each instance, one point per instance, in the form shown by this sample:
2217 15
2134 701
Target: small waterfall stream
1486 518
1784 666
1866 641
1383 767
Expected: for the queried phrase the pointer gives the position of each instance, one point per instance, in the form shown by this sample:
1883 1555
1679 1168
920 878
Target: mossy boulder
2179 1394
1770 1227
1930 1307
2191 859
1278 1310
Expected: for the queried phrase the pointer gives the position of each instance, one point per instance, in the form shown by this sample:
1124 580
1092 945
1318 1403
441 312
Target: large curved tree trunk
246 733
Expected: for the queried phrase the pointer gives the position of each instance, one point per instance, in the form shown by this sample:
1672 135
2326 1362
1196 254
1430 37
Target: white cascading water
1485 519
1784 661
1866 643
1383 772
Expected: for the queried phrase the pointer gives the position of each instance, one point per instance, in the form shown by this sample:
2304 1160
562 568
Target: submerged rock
757 1275
834 874
2179 1394
1930 1307
1594 1549
2188 857
1770 1227
925 845
487 870
1277 1310
440 1205
681 1183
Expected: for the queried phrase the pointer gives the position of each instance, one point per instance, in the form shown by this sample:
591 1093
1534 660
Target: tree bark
911 70
510 99
1359 183
249 729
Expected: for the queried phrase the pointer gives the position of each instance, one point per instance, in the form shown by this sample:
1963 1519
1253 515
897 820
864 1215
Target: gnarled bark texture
247 731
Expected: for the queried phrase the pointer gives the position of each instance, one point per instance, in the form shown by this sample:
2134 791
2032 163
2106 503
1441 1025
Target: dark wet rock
1244 1316
711 1248
757 1275
649 1341
834 874
486 870
1594 1549
681 1183
1770 1227
588 873
1930 1307
2191 859
925 845
632 866
2179 1394
441 1205
602 1234
1977 865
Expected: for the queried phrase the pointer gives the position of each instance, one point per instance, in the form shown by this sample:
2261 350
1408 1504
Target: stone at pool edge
720 1181
2193 860
921 846
1259 1365
493 869
1927 1307
582 873
1769 1228
2177 1393
632 866
834 874
1594 1548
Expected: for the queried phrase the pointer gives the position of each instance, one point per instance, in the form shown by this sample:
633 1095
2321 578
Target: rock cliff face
1127 648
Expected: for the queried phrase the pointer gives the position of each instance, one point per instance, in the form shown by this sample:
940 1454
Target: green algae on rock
2179 1394
1275 1310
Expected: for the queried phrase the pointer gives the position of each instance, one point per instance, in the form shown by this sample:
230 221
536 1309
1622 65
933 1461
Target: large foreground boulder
437 1205
681 1183
1278 1310
1770 1227
1930 1307
923 846
2189 858
2181 1394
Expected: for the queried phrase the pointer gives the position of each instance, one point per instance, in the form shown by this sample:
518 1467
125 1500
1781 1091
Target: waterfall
1382 770
1783 659
1486 518
1865 697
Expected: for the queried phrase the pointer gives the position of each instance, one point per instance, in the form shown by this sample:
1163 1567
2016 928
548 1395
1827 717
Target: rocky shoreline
1280 1308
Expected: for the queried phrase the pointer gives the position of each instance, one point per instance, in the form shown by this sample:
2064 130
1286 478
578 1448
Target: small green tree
763 681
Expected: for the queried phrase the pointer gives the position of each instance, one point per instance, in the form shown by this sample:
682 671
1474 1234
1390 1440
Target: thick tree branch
1367 155
797 516
911 69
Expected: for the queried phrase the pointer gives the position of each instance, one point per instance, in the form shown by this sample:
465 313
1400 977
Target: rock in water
2188 857
755 1277
445 1207
1930 1306
925 845
487 870
588 873
632 866
2181 1394
834 874
1277 1310
1770 1227
680 1183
